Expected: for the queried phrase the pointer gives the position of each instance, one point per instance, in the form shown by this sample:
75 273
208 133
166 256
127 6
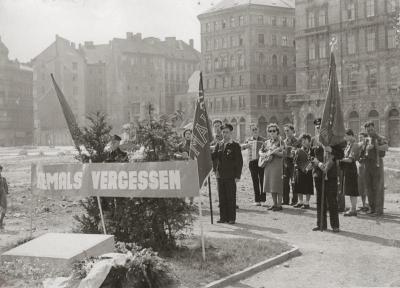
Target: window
260 19
223 24
74 77
391 39
242 102
351 11
216 64
274 80
264 79
208 65
232 61
216 26
233 41
285 81
258 79
261 58
261 100
216 44
391 5
322 17
241 20
353 81
284 61
274 40
241 61
234 104
271 100
240 40
224 43
232 81
371 39
208 45
208 27
215 83
370 8
311 19
322 49
313 81
284 41
372 80
273 20
208 84
274 61
241 81
351 44
232 22
373 116
74 66
284 21
224 82
311 51
260 39
393 77
225 61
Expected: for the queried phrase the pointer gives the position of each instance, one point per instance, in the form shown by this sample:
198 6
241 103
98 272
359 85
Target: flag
201 137
76 133
332 125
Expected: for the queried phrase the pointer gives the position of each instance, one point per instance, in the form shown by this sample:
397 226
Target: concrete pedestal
59 250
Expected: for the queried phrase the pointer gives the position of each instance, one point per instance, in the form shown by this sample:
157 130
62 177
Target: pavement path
366 253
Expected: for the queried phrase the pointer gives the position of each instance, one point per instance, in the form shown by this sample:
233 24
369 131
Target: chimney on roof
191 43
129 36
138 36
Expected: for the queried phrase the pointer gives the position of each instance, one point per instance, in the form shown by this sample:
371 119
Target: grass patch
223 258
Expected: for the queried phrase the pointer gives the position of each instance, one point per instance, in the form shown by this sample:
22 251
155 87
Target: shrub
155 223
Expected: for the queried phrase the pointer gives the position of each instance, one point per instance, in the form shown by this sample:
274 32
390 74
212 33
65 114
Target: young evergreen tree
155 223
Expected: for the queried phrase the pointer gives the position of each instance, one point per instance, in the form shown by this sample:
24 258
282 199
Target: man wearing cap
3 198
229 162
116 154
375 149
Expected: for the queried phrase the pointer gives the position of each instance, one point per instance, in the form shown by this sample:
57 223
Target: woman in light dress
273 150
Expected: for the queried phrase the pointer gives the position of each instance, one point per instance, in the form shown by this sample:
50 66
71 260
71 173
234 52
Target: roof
226 4
96 53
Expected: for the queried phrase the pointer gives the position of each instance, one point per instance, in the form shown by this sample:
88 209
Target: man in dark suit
229 162
116 154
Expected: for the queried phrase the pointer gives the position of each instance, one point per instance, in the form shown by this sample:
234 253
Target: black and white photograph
199 143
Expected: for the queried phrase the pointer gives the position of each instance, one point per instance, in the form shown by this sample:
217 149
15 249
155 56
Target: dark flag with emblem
76 133
201 137
332 125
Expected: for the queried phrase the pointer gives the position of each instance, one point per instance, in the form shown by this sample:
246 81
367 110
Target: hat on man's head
115 137
317 122
227 126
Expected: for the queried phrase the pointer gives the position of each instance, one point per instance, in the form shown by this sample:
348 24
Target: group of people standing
281 165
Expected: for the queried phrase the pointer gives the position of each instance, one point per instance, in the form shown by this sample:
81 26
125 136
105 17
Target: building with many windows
248 62
120 78
16 101
366 59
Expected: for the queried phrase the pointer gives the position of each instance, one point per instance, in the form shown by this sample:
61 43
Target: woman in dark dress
349 167
303 173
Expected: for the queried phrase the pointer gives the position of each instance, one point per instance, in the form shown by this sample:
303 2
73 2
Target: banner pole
203 249
33 185
209 195
101 215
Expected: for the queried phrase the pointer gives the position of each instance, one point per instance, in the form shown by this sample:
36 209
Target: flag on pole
69 116
201 137
332 125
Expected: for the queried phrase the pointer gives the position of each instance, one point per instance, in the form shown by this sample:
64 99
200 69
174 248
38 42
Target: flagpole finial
333 43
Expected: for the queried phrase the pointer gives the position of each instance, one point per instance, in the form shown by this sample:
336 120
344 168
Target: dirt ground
365 254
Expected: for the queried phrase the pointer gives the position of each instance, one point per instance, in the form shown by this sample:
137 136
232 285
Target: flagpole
209 196
101 215
321 221
203 249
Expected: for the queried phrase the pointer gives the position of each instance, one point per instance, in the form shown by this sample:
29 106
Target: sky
27 27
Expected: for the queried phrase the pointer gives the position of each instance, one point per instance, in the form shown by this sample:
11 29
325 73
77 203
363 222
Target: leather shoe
350 213
336 230
279 208
318 229
305 206
271 208
231 222
221 221
298 205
